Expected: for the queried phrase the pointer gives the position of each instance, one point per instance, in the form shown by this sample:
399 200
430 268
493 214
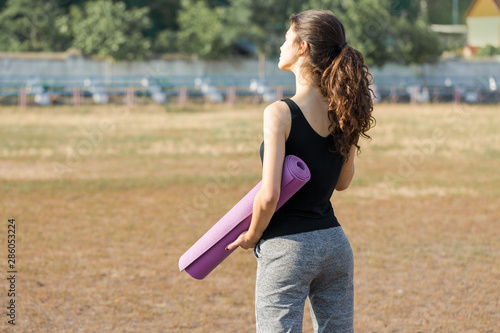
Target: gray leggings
318 264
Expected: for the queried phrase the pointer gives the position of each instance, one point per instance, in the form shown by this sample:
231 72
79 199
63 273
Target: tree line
383 30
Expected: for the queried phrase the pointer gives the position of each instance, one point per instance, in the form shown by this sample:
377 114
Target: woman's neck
306 88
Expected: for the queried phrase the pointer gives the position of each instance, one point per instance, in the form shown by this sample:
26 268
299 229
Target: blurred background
174 51
128 128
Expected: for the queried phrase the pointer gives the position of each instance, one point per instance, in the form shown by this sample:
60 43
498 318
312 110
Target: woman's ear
303 48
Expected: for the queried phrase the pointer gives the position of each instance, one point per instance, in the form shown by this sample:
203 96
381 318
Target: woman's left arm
347 171
276 122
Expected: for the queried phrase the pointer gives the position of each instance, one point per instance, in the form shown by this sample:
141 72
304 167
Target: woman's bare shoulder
278 109
277 115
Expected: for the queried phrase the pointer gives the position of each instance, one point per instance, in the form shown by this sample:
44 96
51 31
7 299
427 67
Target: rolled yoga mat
210 250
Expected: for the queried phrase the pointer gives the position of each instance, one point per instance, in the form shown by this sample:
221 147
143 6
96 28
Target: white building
483 23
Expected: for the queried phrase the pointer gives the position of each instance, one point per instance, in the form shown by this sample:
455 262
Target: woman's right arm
277 121
347 171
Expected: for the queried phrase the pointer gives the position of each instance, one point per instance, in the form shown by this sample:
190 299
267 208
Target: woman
301 250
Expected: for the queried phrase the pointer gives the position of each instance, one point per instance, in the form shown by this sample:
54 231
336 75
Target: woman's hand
244 240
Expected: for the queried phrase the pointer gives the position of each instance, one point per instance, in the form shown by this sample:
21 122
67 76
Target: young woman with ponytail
301 250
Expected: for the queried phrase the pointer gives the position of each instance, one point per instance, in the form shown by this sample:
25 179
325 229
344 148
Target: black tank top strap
294 108
299 122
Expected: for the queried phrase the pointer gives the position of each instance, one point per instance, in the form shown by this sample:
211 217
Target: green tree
488 51
163 14
415 43
210 30
268 22
165 42
437 12
164 23
108 29
440 12
407 8
27 25
201 29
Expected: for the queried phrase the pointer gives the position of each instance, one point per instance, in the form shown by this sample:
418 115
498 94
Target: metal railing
80 90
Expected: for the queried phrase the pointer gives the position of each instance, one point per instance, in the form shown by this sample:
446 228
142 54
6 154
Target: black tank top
310 208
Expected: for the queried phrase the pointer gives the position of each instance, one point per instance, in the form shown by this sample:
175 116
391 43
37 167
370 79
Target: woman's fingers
240 241
232 246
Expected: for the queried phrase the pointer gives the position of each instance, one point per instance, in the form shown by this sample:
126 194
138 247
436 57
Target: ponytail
345 83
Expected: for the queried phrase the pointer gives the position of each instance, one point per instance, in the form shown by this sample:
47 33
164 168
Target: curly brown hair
340 72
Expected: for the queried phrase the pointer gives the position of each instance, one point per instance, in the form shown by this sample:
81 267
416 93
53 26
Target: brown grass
99 236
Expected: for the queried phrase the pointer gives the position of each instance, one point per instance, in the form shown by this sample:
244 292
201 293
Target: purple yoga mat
209 251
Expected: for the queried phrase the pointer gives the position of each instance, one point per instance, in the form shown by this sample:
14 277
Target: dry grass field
106 199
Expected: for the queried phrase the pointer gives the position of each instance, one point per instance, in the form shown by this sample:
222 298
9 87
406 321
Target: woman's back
315 110
310 208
